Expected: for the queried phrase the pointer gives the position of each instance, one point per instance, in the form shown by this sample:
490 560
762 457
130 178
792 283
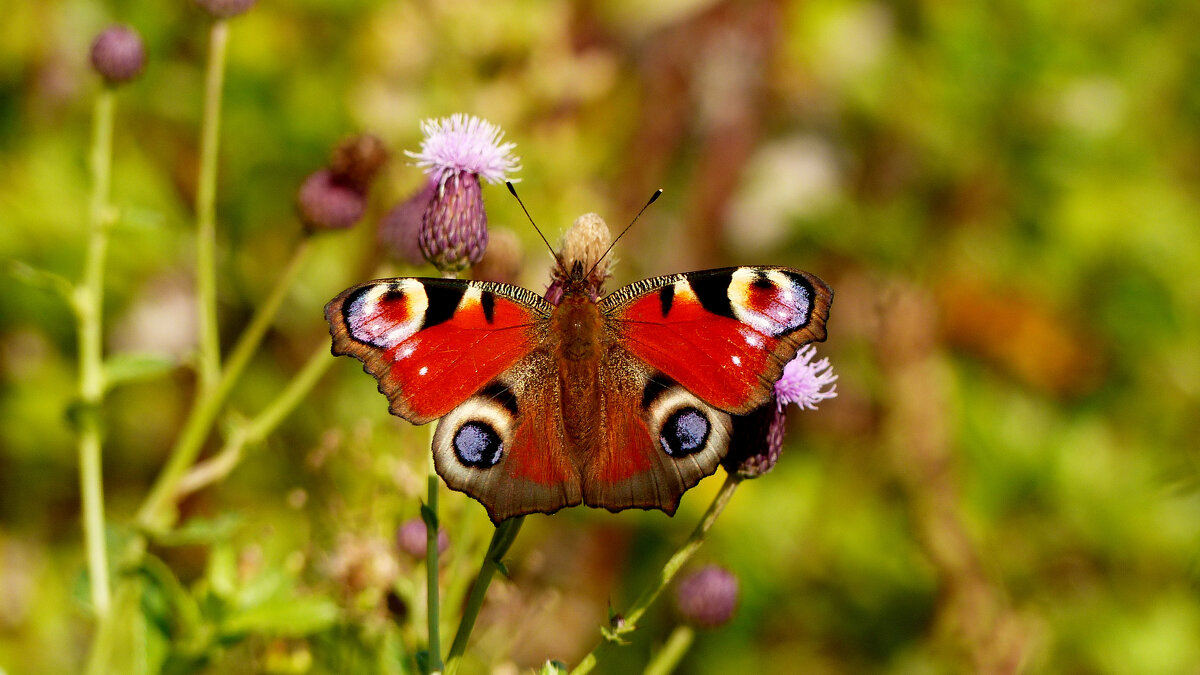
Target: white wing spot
737 360
423 370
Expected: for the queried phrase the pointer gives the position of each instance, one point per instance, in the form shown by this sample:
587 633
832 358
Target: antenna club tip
509 185
656 195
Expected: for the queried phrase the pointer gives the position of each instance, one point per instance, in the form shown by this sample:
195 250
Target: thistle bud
758 437
400 228
456 153
454 228
756 441
706 598
118 54
412 538
328 204
224 9
355 161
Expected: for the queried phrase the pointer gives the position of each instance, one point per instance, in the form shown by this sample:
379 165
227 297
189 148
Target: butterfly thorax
578 327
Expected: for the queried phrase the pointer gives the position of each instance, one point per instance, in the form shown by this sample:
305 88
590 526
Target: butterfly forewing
722 334
432 343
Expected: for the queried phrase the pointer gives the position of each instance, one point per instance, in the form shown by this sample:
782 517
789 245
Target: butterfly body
626 401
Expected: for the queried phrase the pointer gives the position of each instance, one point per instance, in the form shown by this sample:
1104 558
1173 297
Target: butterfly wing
505 445
723 334
657 439
690 351
432 343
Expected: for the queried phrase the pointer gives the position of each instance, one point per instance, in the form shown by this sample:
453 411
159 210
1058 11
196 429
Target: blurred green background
1005 197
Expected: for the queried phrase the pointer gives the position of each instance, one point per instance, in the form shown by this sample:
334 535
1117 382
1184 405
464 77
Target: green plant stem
623 625
257 429
89 310
152 515
502 539
431 570
665 661
209 360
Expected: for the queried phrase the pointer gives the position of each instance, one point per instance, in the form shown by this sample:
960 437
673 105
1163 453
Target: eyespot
477 444
684 432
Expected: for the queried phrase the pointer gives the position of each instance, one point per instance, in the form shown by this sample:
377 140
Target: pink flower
803 381
456 153
465 144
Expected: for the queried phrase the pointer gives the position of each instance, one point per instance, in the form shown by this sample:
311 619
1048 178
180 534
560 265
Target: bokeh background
1005 197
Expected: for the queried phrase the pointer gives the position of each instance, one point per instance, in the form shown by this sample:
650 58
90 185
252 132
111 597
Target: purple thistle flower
325 203
803 381
465 144
457 151
400 228
758 437
707 597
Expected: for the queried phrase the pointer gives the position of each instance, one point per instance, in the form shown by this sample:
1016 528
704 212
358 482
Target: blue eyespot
478 445
685 432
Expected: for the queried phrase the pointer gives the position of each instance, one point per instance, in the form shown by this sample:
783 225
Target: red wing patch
432 343
722 334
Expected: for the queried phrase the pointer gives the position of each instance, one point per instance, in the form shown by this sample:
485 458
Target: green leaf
553 668
222 570
429 517
134 367
40 278
288 617
200 531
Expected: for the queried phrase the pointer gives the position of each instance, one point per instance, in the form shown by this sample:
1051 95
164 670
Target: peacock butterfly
616 402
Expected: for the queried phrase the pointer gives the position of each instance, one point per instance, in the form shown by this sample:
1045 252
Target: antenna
513 190
656 195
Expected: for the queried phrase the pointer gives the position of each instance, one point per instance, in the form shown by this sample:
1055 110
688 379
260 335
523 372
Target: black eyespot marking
712 290
685 432
477 445
443 302
654 388
501 394
487 300
666 296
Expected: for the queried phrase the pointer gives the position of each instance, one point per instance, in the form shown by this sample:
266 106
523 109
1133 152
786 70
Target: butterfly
617 402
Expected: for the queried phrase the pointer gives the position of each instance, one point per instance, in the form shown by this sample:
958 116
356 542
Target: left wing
432 343
723 334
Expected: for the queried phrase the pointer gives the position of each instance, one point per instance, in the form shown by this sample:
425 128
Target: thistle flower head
456 153
465 144
335 197
400 228
804 381
118 54
707 597
325 203
758 437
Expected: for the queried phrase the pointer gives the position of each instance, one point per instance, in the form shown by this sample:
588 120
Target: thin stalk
89 310
502 539
200 421
257 429
209 361
666 660
431 579
627 623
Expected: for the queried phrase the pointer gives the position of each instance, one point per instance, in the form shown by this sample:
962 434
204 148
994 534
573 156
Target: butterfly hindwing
657 439
505 446
432 343
724 334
